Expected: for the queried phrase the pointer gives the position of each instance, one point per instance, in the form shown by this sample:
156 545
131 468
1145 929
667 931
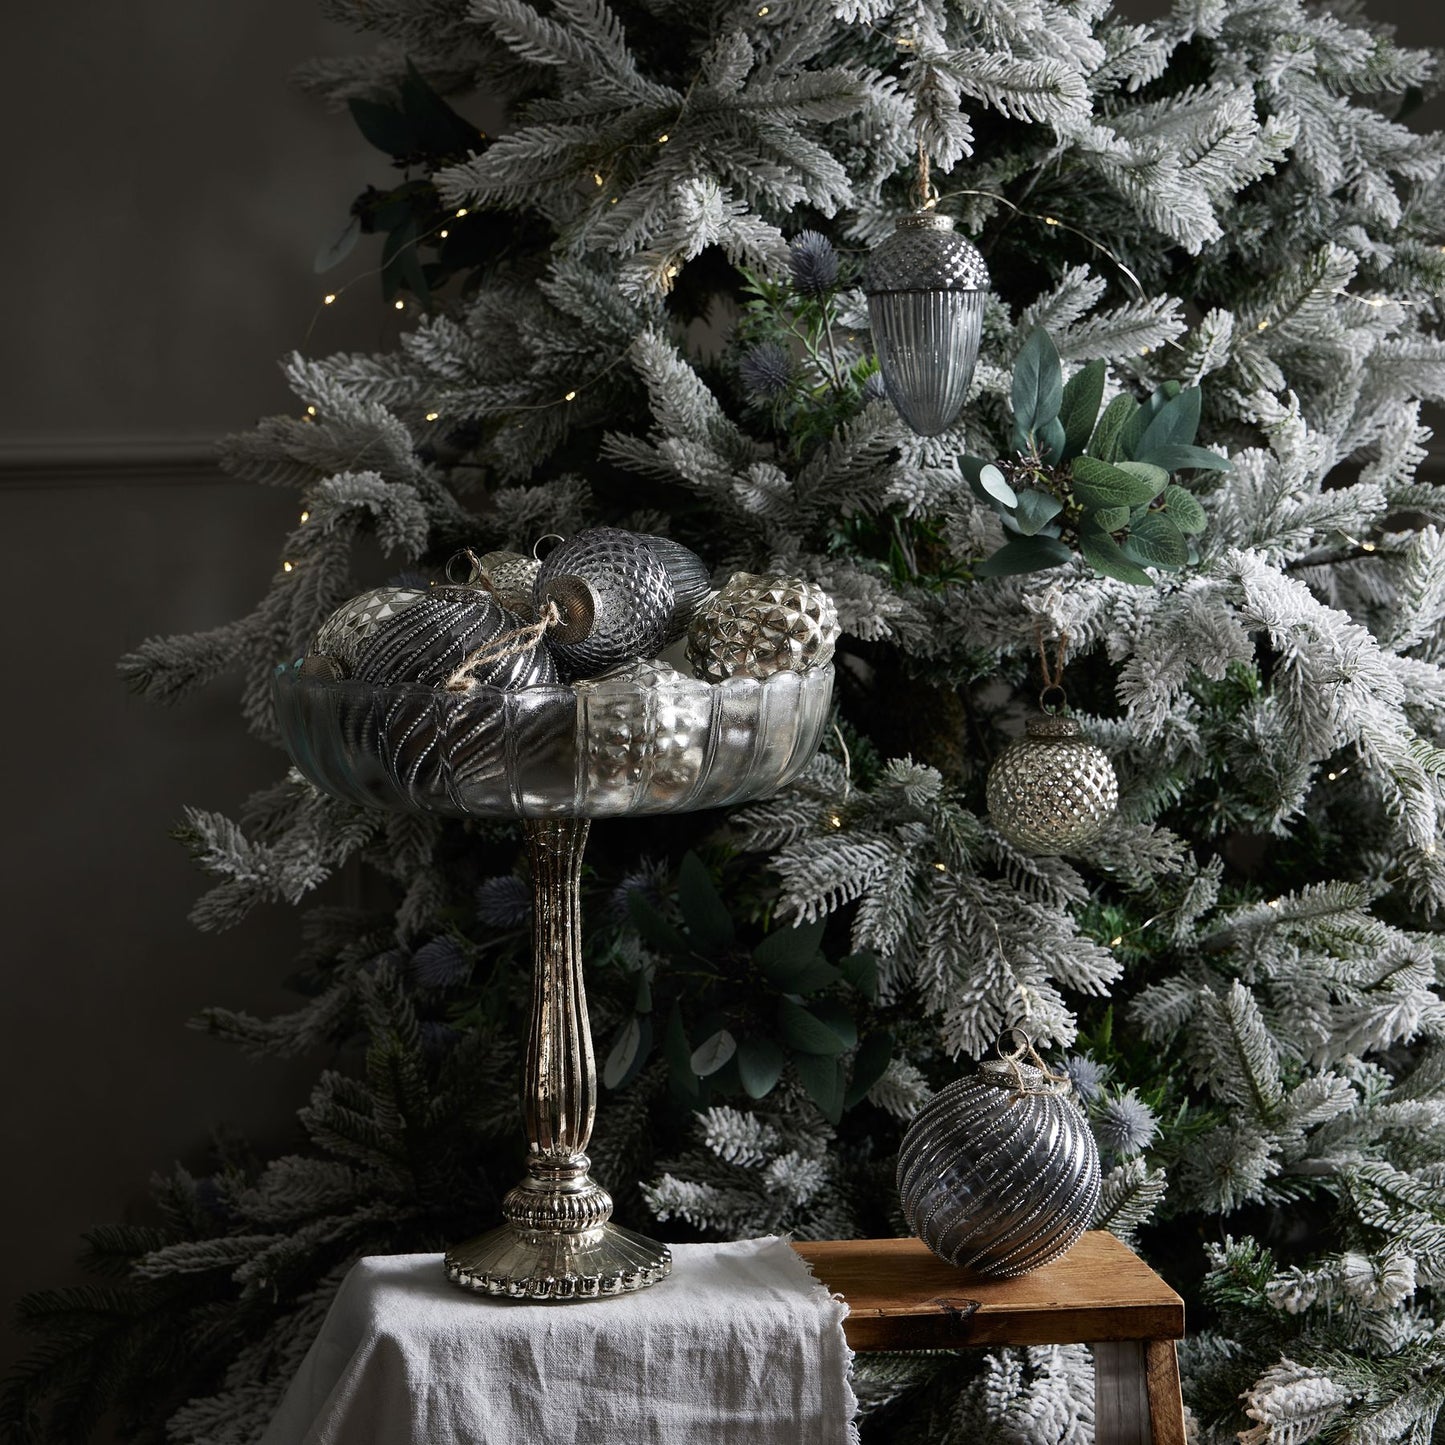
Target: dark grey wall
167 192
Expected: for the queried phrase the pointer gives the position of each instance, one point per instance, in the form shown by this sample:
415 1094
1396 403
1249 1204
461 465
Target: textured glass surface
1053 791
927 344
996 1181
607 748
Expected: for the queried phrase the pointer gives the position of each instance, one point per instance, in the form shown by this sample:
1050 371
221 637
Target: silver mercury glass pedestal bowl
555 757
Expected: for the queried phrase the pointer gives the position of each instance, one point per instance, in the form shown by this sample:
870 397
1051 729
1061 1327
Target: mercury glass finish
996 1179
644 740
1053 791
926 289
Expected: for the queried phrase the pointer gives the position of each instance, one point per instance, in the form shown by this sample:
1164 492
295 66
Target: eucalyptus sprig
1078 482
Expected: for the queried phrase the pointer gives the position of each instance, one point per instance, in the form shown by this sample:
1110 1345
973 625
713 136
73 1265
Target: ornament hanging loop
1023 1070
925 181
464 568
1053 699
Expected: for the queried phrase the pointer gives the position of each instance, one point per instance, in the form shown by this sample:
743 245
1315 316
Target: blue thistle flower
873 388
1124 1124
814 263
1086 1074
440 963
767 371
504 903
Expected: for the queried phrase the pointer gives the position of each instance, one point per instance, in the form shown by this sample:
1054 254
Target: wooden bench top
903 1297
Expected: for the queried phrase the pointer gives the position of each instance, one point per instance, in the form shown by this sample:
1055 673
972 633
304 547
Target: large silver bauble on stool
1053 791
1000 1173
926 289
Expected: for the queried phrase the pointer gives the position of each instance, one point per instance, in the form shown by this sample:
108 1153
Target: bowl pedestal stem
557 1242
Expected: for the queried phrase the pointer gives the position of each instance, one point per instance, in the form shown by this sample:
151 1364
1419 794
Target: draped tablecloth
740 1344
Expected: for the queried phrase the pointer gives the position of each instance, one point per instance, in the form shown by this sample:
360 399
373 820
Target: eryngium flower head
1086 1074
1124 1124
814 263
873 388
767 371
504 903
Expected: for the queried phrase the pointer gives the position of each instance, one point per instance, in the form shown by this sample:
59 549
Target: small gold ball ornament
760 624
1053 791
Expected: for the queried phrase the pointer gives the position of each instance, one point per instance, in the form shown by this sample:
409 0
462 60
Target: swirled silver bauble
999 1173
926 288
1053 791
349 628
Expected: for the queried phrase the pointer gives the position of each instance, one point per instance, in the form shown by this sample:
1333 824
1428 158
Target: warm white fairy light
462 212
305 517
327 299
662 139
432 415
571 396
400 304
286 567
310 411
444 233
597 176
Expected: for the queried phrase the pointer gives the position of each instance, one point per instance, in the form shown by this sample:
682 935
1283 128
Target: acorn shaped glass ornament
926 287
612 597
762 623
999 1173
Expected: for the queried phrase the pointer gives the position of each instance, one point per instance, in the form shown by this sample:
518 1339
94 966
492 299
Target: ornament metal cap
577 603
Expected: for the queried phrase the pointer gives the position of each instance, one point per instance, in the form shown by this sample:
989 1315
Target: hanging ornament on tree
451 631
612 597
691 581
999 1173
926 288
1052 791
343 635
758 625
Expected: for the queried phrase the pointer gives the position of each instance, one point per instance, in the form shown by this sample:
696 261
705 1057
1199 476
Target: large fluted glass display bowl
641 741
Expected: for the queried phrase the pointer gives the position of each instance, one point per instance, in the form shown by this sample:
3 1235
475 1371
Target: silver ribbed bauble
926 289
1000 1173
1053 791
509 577
424 644
758 624
691 581
614 595
348 629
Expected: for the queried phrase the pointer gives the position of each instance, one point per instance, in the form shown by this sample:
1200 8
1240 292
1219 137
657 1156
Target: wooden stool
902 1297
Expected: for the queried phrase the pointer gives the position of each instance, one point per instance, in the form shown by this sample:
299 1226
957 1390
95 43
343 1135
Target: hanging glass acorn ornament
1053 791
926 288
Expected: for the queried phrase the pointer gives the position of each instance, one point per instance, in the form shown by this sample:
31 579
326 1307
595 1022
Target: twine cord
509 644
1053 673
924 175
1039 1078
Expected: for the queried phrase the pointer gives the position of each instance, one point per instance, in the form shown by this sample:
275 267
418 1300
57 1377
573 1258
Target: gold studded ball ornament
758 625
1053 791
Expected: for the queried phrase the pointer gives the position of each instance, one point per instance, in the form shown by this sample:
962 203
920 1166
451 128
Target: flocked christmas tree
643 307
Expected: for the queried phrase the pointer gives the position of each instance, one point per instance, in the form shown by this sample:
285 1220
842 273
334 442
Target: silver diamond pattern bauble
926 288
760 624
999 1173
509 577
614 595
426 643
646 728
691 581
1053 791
348 629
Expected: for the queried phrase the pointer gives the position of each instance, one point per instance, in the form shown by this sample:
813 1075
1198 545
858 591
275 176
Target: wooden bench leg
1136 1393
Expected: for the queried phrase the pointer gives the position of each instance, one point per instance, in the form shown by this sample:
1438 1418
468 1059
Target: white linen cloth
739 1344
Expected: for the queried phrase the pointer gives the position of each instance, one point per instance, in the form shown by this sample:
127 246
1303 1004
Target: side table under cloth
739 1347
900 1296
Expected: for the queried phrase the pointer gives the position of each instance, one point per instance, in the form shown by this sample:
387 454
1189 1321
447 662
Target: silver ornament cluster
348 629
1052 791
926 288
614 595
999 1173
759 624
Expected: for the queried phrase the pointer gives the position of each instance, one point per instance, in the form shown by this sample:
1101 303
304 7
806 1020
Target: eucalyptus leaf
786 952
861 970
1023 554
1051 442
1107 558
869 1065
1175 425
1104 443
1038 382
760 1065
1111 519
1184 510
1155 541
678 1053
1079 406
710 1055
656 931
709 924
386 127
823 1079
335 252
626 1055
1101 484
1182 458
996 485
1156 477
1036 510
806 1033
839 1018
